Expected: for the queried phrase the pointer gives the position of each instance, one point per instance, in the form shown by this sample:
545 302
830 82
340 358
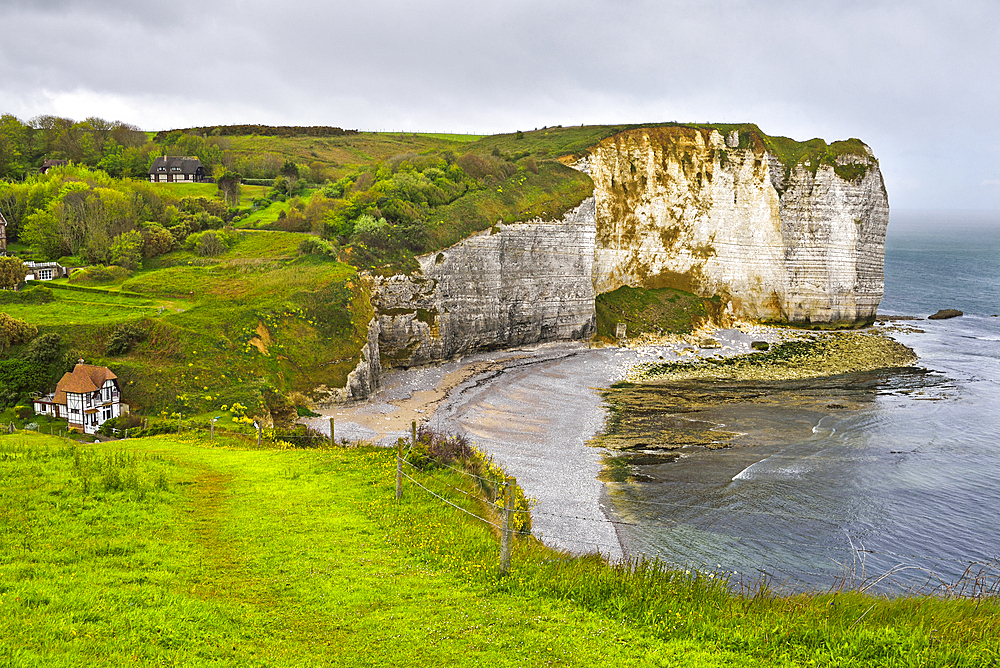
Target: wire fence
911 574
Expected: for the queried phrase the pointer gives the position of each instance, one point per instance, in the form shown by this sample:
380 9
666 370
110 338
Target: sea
887 482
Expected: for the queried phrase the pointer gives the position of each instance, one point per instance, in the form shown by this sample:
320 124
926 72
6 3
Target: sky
918 81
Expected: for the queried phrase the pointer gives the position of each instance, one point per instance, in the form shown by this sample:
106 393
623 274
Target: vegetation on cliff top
170 550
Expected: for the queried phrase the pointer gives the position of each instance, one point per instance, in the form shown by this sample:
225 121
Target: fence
912 574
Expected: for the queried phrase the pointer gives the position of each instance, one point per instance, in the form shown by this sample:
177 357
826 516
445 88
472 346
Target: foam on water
909 472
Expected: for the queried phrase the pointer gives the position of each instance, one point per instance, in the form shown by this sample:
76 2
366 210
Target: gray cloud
913 79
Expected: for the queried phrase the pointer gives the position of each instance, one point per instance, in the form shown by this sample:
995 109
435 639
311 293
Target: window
161 169
45 274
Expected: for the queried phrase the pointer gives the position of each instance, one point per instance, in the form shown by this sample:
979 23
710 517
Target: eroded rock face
363 381
673 207
687 208
513 285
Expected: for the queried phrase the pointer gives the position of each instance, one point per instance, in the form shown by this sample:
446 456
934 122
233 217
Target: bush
18 378
24 412
126 249
157 240
485 167
124 337
211 243
46 349
100 274
316 246
14 332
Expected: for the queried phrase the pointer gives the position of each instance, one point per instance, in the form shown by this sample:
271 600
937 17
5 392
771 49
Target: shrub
316 246
46 349
211 243
24 412
14 332
124 337
126 249
20 377
100 274
157 240
485 167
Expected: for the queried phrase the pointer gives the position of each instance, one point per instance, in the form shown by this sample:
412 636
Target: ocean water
889 481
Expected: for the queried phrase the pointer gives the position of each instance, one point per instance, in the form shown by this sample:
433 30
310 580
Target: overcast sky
918 81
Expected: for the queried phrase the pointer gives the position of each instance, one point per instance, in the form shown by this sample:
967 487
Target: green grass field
218 330
168 550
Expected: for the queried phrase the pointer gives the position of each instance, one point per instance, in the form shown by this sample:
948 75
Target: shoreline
536 410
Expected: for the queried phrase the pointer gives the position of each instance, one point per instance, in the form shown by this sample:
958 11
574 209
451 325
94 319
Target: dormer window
162 169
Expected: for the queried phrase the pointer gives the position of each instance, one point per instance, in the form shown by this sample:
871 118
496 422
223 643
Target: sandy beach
533 409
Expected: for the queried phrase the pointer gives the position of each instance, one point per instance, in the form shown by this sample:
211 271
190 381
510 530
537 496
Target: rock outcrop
779 238
685 207
511 285
363 381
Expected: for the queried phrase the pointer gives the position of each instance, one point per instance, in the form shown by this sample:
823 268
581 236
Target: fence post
258 425
178 424
399 469
505 531
333 441
413 433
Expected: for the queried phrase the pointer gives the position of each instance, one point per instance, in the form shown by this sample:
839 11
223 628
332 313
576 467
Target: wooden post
399 469
258 425
505 531
178 423
413 433
333 441
211 427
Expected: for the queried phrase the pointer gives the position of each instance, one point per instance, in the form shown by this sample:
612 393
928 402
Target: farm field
180 550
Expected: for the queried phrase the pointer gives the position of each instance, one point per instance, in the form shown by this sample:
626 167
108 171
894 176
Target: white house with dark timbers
86 396
176 169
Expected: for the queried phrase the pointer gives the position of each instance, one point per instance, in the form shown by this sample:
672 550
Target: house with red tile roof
86 396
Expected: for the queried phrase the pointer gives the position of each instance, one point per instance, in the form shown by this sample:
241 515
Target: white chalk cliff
678 206
685 208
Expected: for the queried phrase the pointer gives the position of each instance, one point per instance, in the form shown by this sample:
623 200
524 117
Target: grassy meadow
217 330
180 551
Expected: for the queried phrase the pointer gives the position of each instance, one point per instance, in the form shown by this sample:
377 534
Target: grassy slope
168 551
659 311
200 353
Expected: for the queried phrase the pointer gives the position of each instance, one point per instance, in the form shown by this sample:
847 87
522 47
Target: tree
14 332
229 185
12 272
290 170
126 249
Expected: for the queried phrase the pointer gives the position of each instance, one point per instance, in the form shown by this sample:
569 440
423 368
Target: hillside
181 551
228 302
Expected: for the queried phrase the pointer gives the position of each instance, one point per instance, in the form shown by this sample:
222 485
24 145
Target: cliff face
795 238
513 285
688 208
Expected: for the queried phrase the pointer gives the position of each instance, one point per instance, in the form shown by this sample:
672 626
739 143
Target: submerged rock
945 313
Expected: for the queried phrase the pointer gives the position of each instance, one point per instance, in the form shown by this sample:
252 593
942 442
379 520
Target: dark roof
188 165
52 162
